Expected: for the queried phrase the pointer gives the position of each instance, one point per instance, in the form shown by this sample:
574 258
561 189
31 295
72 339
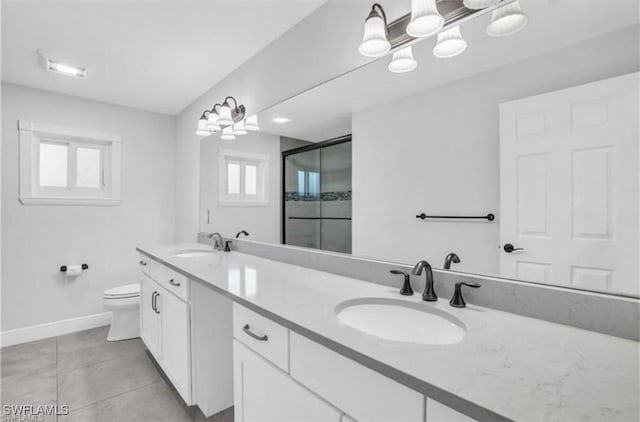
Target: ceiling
155 55
325 111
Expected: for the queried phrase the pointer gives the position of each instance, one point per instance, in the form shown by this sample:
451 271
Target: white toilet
124 302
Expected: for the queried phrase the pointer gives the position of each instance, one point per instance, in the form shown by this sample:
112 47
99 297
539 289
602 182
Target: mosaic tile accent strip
324 196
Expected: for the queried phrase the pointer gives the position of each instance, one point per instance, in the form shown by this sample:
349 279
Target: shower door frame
318 145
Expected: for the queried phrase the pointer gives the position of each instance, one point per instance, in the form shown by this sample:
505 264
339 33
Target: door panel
175 342
149 319
569 186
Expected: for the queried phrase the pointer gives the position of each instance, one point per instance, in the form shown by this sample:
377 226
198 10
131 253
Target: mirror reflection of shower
317 195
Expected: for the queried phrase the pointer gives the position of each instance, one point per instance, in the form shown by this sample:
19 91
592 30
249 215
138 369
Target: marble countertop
506 367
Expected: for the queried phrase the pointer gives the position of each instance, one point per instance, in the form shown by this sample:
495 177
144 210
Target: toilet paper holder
64 268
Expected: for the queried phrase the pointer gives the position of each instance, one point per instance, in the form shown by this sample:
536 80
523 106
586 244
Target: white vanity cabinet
165 324
280 375
187 327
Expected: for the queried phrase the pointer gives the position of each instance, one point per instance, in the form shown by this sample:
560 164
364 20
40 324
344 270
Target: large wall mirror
538 130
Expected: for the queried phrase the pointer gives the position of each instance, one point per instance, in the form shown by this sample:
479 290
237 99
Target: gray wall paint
38 239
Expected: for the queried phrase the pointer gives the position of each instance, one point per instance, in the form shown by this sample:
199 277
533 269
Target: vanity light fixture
450 43
430 17
403 61
281 120
425 19
479 4
239 129
374 41
228 117
507 20
227 134
251 123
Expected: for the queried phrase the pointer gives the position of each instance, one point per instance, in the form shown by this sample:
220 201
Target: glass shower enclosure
317 196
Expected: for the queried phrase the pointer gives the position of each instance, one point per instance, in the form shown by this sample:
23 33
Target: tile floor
98 380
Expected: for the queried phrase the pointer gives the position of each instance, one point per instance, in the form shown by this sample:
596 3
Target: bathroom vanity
278 326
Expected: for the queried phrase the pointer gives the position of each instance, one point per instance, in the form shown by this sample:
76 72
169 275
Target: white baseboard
53 329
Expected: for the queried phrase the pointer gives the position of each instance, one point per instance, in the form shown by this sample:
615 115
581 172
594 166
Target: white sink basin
401 321
192 253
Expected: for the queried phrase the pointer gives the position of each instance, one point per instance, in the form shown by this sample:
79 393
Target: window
68 166
308 183
243 178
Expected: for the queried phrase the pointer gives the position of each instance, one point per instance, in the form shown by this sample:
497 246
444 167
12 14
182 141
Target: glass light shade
374 42
507 20
224 115
450 43
212 122
202 128
239 128
425 19
403 61
479 4
227 134
251 123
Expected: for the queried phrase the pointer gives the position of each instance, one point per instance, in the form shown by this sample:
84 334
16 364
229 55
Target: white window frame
32 134
226 157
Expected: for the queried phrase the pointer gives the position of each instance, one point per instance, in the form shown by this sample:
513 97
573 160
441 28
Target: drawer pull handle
174 283
247 330
143 263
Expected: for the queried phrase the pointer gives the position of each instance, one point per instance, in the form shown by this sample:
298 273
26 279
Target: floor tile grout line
116 395
101 362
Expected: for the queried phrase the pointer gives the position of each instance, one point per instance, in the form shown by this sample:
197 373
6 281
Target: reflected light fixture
202 125
251 123
507 20
403 61
425 19
227 134
239 129
281 120
450 43
228 117
374 41
479 4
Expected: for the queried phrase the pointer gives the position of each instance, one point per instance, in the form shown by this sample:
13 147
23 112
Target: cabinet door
264 393
175 342
438 412
149 318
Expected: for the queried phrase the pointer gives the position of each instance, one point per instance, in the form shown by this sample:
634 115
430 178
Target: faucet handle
457 301
406 289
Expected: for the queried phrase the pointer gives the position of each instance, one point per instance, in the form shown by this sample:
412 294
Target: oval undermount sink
192 253
401 321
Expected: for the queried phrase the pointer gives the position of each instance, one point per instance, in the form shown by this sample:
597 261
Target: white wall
441 155
262 222
37 240
320 47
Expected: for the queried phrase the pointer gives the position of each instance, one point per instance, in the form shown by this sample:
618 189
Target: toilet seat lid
128 290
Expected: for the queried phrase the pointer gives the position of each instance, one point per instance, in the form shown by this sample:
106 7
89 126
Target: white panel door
176 352
569 189
149 318
263 393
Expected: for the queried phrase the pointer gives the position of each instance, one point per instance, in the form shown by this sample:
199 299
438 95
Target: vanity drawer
362 393
143 264
263 336
172 281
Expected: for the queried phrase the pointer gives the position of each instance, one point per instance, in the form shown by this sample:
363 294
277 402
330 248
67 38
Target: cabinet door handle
154 301
174 283
144 264
247 330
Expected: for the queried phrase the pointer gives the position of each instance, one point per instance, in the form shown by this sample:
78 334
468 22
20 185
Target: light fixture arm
377 9
235 103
